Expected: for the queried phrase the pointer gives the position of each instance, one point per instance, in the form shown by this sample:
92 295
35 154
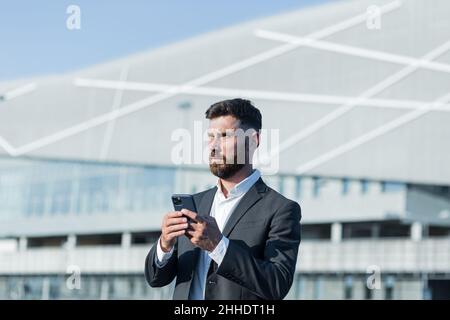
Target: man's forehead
223 123
222 129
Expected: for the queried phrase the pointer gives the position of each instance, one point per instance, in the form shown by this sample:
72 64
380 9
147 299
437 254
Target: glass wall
48 188
134 286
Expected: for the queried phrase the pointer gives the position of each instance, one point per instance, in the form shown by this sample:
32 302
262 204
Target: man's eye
221 135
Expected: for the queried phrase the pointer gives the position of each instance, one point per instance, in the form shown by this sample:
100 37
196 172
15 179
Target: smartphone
184 201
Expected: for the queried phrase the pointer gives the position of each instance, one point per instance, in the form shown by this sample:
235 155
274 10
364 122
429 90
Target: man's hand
205 233
174 225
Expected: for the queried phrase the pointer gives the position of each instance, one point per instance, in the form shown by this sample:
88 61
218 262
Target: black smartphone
184 201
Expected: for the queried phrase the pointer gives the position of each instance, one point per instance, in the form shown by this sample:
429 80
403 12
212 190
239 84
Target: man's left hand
204 233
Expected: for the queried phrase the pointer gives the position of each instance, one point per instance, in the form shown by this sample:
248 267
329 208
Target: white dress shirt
221 209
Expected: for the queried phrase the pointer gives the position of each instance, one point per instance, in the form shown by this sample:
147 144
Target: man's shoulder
270 195
274 195
278 200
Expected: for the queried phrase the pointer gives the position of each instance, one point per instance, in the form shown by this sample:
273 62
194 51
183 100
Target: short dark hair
241 109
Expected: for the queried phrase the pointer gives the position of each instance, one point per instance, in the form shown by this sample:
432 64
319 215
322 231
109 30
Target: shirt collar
242 187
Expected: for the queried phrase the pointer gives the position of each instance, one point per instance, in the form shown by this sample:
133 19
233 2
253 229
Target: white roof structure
352 95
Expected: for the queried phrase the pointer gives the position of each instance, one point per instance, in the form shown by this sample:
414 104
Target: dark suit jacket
264 234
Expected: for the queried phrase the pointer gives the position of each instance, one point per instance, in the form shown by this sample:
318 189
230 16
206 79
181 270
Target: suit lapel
250 198
204 209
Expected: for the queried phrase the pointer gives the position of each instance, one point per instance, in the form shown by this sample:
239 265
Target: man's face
228 150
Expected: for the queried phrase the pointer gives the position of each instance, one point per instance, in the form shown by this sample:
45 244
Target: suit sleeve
160 276
270 277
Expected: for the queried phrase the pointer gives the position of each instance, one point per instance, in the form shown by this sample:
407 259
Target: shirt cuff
219 251
161 256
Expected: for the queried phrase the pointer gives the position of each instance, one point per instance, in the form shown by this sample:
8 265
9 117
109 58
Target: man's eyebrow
213 131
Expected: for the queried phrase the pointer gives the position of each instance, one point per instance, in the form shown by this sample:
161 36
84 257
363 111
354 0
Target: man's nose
215 152
214 144
214 149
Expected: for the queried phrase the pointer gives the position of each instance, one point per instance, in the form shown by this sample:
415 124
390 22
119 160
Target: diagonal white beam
369 136
5 145
14 93
253 94
117 101
241 65
17 92
353 51
372 91
126 85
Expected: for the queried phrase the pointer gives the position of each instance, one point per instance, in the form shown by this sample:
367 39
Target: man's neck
229 183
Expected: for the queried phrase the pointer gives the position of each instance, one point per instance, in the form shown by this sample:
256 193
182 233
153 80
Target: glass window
364 186
392 186
389 288
348 287
281 184
317 185
36 201
61 197
298 187
345 186
368 293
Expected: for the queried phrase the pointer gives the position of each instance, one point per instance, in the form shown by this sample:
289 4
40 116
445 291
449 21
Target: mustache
214 154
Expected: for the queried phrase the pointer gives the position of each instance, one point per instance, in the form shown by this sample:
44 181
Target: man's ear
258 137
254 141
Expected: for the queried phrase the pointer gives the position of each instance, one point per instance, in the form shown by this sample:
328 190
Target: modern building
357 96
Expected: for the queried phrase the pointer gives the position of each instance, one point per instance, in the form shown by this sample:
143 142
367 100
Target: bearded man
243 242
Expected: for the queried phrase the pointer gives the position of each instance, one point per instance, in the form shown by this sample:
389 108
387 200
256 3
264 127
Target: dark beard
225 171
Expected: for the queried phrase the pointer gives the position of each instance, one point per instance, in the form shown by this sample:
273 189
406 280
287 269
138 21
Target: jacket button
211 282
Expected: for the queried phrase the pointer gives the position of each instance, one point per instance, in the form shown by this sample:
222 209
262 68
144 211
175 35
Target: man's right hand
174 225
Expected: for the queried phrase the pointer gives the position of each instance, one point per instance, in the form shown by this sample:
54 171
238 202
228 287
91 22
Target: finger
196 240
177 227
200 219
173 214
191 233
195 225
190 214
174 221
190 228
172 235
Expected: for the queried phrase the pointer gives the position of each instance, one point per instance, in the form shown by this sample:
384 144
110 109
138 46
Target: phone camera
177 201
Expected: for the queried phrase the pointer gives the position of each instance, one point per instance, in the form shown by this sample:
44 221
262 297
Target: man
243 241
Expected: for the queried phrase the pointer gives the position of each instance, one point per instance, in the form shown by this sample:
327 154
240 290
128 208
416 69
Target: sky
35 40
